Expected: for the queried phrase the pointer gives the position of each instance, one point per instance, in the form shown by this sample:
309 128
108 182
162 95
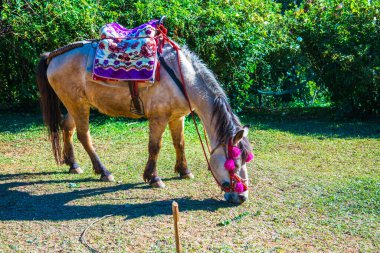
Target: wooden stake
176 229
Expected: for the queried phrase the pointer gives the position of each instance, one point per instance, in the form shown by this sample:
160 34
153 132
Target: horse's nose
235 198
242 198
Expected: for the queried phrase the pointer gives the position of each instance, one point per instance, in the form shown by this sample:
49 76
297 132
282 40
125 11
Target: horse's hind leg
176 127
68 129
156 129
81 118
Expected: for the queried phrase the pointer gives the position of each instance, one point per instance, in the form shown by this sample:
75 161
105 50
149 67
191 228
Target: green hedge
251 45
341 40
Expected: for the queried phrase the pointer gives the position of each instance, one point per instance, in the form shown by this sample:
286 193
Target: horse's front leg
156 130
177 131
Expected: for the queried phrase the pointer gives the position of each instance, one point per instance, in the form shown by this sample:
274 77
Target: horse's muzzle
236 198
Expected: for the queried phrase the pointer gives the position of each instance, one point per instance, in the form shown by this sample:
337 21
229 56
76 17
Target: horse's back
70 75
71 62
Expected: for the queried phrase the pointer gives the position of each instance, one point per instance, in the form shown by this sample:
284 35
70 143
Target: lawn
315 188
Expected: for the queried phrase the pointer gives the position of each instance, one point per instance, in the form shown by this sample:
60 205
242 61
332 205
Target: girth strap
137 105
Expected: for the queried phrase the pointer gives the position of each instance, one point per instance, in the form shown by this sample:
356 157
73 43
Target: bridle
232 152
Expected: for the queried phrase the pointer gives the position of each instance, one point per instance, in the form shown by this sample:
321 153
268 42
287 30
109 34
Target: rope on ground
82 237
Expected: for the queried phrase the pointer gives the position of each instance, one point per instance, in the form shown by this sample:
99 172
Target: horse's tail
50 106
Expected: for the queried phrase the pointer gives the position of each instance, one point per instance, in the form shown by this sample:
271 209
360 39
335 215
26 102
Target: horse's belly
112 100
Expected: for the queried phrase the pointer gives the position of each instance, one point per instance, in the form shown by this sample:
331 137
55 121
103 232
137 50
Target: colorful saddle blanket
126 54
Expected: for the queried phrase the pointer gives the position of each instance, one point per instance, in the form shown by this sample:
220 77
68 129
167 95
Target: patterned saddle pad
126 54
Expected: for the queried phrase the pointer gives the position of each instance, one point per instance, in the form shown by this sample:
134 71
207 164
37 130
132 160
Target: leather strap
171 73
134 90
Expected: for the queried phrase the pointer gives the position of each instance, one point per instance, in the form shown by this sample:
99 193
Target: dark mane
226 122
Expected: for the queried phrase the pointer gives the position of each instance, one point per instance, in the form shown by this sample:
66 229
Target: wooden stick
176 229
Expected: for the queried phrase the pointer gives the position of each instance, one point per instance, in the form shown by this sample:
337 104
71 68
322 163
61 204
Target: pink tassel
250 157
229 165
239 187
235 152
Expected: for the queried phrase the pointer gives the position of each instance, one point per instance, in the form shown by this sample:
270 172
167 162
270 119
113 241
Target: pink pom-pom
250 157
239 187
235 152
229 165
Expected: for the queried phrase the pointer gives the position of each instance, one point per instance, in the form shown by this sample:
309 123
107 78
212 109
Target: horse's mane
226 122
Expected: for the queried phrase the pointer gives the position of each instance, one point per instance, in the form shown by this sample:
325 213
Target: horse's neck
202 98
206 117
203 104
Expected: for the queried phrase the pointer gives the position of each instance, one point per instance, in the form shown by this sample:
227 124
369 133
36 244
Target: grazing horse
67 78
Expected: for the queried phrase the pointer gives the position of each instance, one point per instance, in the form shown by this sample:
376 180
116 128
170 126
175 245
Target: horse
66 78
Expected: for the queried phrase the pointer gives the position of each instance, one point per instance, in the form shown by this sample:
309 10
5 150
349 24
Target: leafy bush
242 41
251 45
27 30
342 41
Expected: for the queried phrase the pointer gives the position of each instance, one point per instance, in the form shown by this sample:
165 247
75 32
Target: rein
236 183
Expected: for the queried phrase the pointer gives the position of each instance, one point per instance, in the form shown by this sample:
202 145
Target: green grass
315 187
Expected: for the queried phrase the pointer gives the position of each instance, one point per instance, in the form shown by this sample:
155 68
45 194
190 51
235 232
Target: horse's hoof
108 178
157 184
76 171
187 176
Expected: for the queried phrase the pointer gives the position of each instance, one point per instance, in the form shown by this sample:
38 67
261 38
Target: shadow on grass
17 205
319 122
18 122
28 175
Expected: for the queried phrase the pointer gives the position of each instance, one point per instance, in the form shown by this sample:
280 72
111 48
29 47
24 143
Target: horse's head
228 165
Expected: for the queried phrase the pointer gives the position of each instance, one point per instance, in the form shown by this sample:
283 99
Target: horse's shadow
19 205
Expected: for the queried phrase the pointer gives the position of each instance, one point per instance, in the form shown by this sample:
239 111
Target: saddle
128 55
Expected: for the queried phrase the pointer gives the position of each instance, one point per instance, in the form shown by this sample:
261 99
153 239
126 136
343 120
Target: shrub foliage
319 50
341 40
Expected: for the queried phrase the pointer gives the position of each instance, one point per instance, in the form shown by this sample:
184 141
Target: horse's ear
240 134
